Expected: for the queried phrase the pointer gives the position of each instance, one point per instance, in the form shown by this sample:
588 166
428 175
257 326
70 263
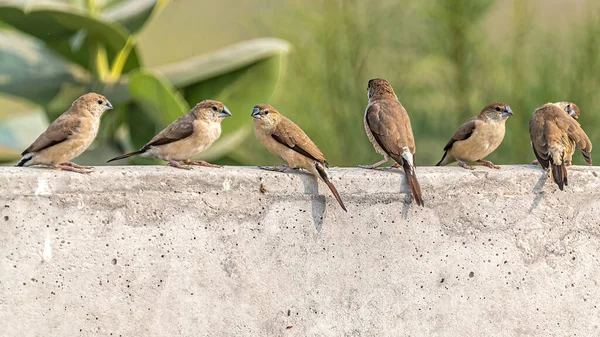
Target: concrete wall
156 251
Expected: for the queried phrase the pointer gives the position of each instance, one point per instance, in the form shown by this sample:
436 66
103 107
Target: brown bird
388 128
68 136
478 137
572 110
186 137
285 139
554 136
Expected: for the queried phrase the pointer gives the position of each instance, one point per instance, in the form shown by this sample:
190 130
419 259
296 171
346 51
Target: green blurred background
445 59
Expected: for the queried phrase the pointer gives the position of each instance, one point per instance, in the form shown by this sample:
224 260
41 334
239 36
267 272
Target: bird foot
376 165
174 163
568 163
201 163
535 162
464 165
488 164
396 165
281 168
77 166
70 168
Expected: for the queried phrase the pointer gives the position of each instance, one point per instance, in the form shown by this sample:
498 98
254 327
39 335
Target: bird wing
464 132
181 128
390 125
576 134
290 135
59 131
537 132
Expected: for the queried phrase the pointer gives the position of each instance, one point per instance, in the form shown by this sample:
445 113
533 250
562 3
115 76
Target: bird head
571 108
211 111
497 111
265 115
95 103
380 88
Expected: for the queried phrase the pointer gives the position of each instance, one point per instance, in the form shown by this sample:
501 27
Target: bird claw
174 163
465 166
77 166
374 166
65 167
201 163
281 168
488 164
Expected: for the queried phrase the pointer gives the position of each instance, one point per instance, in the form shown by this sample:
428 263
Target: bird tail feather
411 176
442 161
27 157
325 177
559 170
127 155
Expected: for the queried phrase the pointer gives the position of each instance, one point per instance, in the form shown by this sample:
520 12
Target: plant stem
119 63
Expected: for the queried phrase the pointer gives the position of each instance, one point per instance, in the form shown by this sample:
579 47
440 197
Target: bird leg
396 165
464 165
488 164
77 166
200 163
177 165
535 162
281 168
376 165
66 167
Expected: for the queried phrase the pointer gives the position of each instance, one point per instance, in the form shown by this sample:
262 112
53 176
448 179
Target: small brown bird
186 137
68 136
388 128
285 139
572 110
554 136
478 137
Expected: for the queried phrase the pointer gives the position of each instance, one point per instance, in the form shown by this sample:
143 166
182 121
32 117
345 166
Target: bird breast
486 137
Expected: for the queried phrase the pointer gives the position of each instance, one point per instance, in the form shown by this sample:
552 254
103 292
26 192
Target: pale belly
481 143
65 151
185 148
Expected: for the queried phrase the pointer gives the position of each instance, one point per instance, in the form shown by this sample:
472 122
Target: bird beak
225 113
507 112
108 106
571 112
256 113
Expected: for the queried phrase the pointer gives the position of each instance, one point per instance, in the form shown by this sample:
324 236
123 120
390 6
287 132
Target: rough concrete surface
157 251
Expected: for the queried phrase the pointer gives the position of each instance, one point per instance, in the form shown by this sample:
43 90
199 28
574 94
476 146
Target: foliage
54 52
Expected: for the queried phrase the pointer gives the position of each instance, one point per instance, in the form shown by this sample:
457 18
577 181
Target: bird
186 137
478 137
554 135
572 110
68 136
285 139
388 128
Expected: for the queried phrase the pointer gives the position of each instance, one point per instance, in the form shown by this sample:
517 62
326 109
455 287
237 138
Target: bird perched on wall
286 140
572 110
68 136
388 128
554 135
186 137
478 137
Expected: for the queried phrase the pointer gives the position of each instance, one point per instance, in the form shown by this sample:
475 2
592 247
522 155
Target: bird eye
266 112
497 108
214 108
568 106
100 101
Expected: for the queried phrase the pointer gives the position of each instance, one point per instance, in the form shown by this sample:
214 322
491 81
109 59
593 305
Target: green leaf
240 76
157 105
31 71
69 31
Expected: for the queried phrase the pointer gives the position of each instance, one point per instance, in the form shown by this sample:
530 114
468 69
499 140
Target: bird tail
27 157
127 155
559 170
444 161
325 177
411 176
